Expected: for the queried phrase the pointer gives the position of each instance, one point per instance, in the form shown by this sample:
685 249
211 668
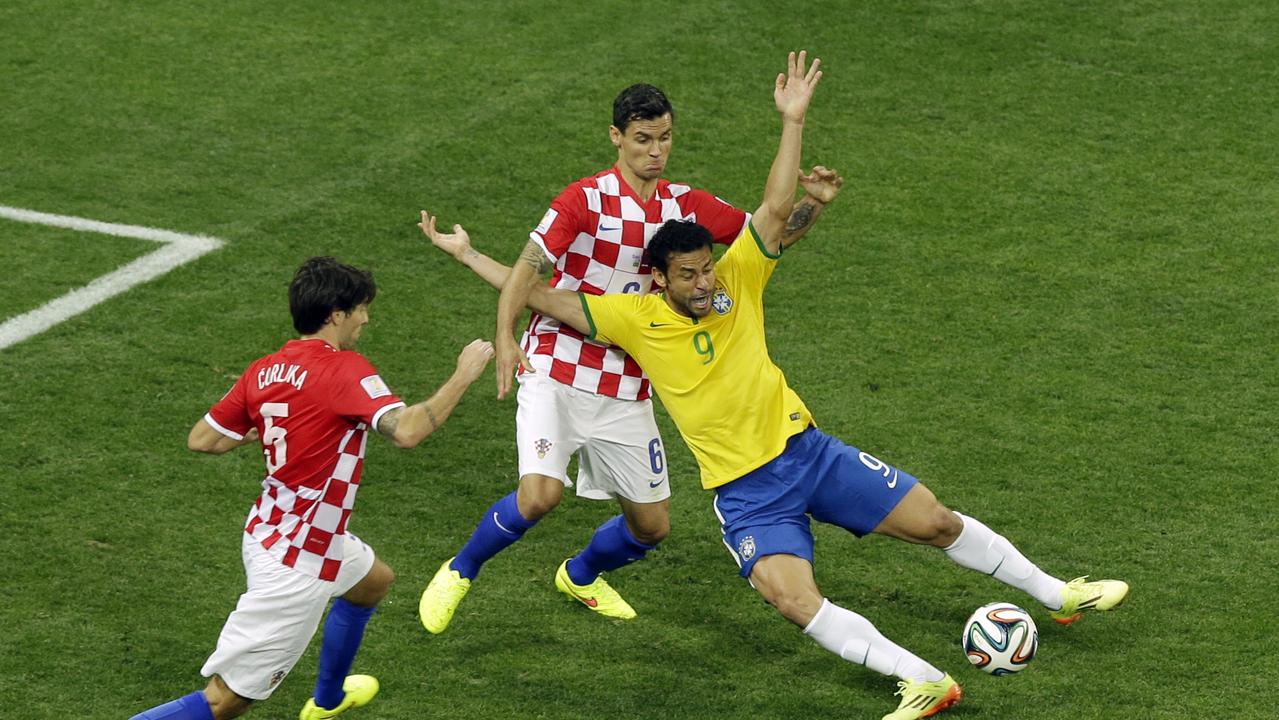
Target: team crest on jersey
542 447
277 676
721 302
746 547
375 387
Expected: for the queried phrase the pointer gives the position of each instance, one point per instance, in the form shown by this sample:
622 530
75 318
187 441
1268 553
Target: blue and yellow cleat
921 699
1080 595
359 689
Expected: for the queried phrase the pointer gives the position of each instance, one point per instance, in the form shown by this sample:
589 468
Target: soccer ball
1000 638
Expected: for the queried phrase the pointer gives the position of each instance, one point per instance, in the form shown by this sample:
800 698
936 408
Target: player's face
350 325
643 148
689 282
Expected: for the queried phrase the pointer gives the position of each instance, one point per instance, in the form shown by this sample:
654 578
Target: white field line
176 249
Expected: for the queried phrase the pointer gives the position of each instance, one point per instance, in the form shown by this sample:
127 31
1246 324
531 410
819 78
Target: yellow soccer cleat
597 596
441 597
359 689
921 699
1079 596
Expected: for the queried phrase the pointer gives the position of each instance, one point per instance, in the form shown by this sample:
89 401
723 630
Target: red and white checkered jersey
313 406
596 231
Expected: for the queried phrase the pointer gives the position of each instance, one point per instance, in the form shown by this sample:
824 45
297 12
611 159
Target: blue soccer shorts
766 511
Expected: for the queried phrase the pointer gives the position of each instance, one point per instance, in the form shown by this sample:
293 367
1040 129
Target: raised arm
458 244
408 426
792 93
821 186
562 305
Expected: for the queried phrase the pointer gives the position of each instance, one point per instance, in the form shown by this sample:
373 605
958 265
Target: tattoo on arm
389 421
430 415
468 254
534 256
800 218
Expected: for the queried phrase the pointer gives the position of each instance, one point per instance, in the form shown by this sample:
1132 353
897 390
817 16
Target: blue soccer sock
189 707
501 526
611 547
343 631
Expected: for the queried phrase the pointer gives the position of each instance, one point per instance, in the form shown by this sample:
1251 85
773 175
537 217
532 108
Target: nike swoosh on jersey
609 229
655 324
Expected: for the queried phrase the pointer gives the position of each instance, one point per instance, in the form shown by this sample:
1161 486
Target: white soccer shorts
618 446
276 617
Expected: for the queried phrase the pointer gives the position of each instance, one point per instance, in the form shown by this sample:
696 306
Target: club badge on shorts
746 547
277 676
542 446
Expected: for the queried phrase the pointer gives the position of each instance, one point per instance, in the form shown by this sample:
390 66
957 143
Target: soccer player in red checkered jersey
579 396
310 405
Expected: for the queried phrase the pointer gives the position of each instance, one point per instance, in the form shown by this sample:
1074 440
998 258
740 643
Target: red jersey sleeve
356 391
230 415
562 221
723 220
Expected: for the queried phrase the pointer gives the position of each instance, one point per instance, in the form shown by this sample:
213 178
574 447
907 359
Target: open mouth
700 302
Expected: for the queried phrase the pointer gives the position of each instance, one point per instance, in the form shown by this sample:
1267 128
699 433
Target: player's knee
949 526
940 526
652 531
538 495
224 704
798 606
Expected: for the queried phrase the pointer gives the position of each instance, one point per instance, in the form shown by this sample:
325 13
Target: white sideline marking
177 249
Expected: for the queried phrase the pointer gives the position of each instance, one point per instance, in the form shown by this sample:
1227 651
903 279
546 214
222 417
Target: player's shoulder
602 180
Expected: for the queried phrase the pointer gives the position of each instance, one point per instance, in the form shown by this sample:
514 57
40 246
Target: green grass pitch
1049 290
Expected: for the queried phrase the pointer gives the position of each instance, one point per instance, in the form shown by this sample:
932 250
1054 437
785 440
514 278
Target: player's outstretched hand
794 88
474 358
509 357
822 183
456 244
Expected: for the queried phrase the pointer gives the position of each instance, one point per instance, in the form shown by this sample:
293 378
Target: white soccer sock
855 639
982 549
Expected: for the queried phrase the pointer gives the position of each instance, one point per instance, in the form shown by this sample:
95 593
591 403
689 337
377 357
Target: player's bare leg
223 702
538 495
620 541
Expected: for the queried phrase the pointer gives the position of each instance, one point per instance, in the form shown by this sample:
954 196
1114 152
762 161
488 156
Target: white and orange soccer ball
1000 638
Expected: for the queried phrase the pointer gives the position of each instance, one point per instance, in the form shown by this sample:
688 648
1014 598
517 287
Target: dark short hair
640 102
676 236
323 285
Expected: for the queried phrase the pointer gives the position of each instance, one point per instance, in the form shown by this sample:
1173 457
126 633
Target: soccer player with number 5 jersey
311 405
702 342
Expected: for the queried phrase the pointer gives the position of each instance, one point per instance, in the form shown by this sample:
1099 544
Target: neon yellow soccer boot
359 689
441 598
921 699
597 596
1079 595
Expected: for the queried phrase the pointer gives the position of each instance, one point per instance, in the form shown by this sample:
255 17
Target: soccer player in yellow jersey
701 341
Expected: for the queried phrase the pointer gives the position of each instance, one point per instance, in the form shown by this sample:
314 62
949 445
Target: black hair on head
676 236
323 285
640 102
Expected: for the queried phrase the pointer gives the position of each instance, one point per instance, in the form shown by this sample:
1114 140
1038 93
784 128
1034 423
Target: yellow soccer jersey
714 375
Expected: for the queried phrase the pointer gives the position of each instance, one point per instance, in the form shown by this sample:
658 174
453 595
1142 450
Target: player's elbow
404 442
201 442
